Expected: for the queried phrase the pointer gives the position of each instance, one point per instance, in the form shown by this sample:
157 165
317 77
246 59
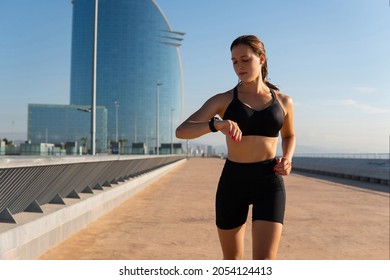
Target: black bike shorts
244 184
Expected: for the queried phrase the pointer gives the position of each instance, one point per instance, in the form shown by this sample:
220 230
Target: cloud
362 107
365 89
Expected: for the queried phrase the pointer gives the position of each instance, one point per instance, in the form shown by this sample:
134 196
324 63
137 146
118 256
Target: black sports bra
266 122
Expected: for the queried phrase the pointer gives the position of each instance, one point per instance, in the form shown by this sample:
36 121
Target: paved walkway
174 219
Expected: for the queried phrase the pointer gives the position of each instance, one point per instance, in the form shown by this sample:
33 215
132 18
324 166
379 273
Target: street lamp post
93 105
116 120
135 129
172 110
158 84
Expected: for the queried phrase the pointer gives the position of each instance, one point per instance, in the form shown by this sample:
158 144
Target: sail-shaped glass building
139 73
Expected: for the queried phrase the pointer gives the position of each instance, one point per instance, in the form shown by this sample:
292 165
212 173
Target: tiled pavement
174 219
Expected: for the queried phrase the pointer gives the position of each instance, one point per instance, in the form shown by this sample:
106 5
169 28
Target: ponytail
264 73
270 85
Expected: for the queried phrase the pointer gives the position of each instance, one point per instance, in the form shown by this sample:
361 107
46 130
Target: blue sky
330 56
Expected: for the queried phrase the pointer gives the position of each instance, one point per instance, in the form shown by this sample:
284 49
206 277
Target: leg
267 216
232 242
231 206
265 239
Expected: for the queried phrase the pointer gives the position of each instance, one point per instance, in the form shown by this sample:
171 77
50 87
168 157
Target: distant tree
122 143
84 140
8 142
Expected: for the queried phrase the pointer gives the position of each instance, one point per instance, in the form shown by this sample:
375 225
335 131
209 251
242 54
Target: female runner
253 113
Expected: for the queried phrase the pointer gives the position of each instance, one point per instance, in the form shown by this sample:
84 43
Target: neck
256 87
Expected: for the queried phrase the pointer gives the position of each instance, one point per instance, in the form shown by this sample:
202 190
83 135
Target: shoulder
224 95
222 98
218 103
285 101
221 101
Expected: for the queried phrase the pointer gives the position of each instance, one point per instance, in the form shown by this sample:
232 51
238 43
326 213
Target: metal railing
345 155
28 183
367 169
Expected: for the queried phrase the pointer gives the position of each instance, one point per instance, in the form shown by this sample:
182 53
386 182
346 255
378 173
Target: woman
252 114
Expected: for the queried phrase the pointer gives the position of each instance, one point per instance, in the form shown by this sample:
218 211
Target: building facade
64 124
139 72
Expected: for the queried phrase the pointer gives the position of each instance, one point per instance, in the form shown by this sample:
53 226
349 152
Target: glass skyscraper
138 59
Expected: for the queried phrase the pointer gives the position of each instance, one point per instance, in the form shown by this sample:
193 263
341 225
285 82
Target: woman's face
246 63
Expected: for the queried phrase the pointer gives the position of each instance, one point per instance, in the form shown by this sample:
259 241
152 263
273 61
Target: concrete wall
36 233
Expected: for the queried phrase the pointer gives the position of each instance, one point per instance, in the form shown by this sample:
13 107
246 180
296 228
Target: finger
284 162
236 132
278 165
230 128
239 136
232 131
283 169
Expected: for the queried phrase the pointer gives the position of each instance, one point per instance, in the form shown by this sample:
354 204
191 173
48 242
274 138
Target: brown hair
258 48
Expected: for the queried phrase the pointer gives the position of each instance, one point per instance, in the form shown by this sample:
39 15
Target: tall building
139 71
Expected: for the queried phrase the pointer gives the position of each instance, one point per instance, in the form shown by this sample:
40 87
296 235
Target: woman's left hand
283 166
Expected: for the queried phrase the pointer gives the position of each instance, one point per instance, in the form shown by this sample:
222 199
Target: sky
331 57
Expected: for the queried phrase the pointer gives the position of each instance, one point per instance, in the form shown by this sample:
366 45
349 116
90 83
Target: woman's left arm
288 137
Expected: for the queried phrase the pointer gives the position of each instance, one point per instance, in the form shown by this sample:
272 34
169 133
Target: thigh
265 239
269 200
232 242
231 204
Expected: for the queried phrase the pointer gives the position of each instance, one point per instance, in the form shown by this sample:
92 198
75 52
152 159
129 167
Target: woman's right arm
198 123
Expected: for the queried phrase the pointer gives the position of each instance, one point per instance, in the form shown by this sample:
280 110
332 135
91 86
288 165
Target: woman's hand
229 128
283 166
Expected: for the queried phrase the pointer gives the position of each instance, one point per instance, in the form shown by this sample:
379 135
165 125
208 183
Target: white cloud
365 89
362 107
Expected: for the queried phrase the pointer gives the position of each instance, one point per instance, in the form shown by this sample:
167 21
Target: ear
262 59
